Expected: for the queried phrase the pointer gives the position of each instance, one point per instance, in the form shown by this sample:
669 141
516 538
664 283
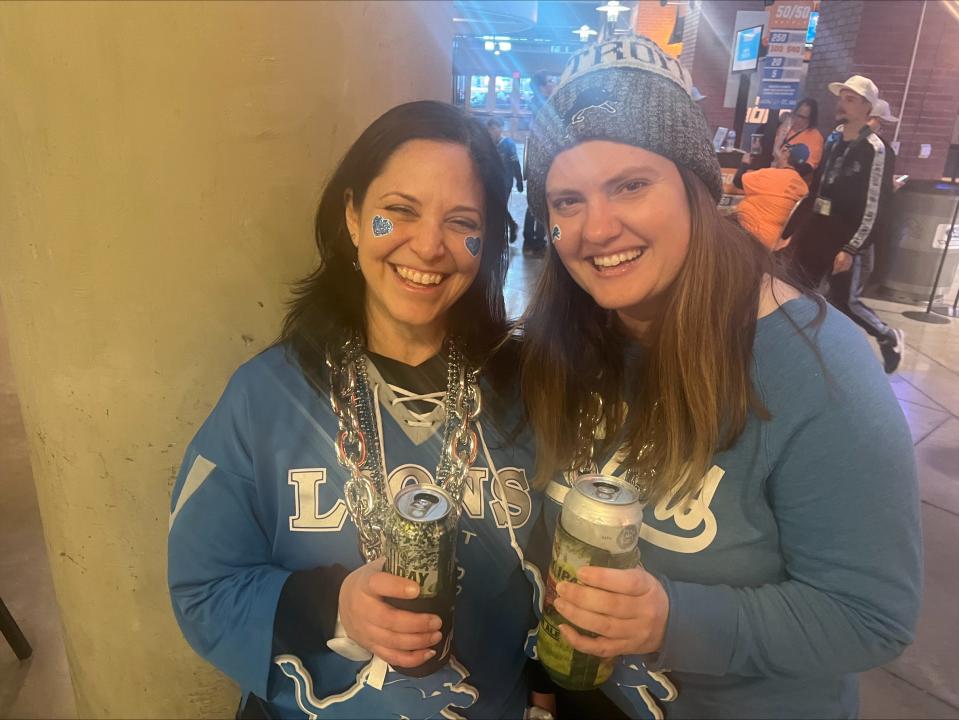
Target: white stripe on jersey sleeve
199 471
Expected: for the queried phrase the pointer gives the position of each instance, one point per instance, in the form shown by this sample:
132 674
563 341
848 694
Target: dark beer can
421 546
599 526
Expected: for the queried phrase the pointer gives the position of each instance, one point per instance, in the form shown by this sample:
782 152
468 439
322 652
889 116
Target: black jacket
851 199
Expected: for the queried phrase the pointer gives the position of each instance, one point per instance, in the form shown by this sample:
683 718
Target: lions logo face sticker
473 244
555 234
381 226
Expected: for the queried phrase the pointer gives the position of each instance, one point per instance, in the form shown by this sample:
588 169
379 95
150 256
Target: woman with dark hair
276 540
780 539
802 129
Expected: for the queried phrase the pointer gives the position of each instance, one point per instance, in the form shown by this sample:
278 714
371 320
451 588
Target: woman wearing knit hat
780 544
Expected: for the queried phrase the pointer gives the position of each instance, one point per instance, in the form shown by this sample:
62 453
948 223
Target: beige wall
159 168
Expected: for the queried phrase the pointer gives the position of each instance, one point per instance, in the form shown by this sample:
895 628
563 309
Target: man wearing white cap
880 113
853 187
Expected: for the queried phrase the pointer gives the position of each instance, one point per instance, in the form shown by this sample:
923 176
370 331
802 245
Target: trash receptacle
922 213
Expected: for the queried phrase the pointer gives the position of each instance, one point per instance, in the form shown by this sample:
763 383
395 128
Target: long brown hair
686 394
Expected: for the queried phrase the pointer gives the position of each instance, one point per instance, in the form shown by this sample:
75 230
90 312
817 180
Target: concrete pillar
159 170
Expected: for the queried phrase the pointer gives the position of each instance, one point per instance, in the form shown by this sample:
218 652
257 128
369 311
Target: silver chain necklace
584 462
358 442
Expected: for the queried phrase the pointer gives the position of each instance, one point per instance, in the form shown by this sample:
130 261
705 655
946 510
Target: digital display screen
746 51
811 31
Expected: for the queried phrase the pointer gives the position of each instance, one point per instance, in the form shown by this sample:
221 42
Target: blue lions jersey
260 494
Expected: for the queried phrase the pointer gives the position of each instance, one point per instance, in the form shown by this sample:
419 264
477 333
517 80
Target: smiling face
624 224
411 235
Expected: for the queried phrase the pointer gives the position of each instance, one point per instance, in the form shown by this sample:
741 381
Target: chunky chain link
460 443
586 428
363 490
583 462
357 442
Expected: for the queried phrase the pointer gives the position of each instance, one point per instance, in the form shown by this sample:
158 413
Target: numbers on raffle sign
779 37
776 62
793 12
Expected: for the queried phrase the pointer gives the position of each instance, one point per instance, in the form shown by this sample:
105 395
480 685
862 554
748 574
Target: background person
802 129
511 168
773 194
853 192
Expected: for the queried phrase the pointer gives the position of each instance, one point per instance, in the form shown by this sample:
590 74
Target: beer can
599 526
420 544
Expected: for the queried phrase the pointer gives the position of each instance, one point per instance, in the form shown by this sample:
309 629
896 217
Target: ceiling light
584 33
612 9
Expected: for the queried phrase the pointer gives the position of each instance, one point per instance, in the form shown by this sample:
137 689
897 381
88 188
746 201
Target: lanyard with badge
822 205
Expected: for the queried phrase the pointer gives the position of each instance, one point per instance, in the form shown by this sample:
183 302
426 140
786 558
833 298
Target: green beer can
420 545
599 526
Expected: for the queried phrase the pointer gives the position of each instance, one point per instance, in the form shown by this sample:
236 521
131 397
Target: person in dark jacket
511 169
851 196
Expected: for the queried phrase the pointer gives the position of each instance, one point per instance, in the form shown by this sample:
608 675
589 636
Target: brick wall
707 39
832 54
876 39
656 22
933 102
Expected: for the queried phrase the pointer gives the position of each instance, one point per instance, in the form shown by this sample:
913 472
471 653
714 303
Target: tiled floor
38 687
923 683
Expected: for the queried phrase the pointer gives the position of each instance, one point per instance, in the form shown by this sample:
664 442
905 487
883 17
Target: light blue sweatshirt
798 565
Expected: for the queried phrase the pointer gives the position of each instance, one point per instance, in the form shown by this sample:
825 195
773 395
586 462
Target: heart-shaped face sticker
381 226
554 236
473 244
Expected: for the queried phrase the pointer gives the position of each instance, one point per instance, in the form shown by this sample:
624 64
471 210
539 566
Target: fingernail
430 653
560 604
436 623
436 637
412 590
561 587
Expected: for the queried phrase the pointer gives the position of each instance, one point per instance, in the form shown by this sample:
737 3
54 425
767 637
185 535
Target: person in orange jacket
772 194
801 129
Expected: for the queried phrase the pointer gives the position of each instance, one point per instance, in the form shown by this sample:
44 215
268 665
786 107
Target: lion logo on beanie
592 98
624 90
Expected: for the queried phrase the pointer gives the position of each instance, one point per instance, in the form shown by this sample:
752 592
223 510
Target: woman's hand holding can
400 637
627 609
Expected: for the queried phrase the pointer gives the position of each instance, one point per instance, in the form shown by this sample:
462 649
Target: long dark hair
813 106
691 392
330 300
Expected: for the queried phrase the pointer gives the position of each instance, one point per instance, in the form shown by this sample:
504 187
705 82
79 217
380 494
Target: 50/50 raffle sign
782 68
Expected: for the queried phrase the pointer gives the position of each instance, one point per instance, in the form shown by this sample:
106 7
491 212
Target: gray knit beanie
625 90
